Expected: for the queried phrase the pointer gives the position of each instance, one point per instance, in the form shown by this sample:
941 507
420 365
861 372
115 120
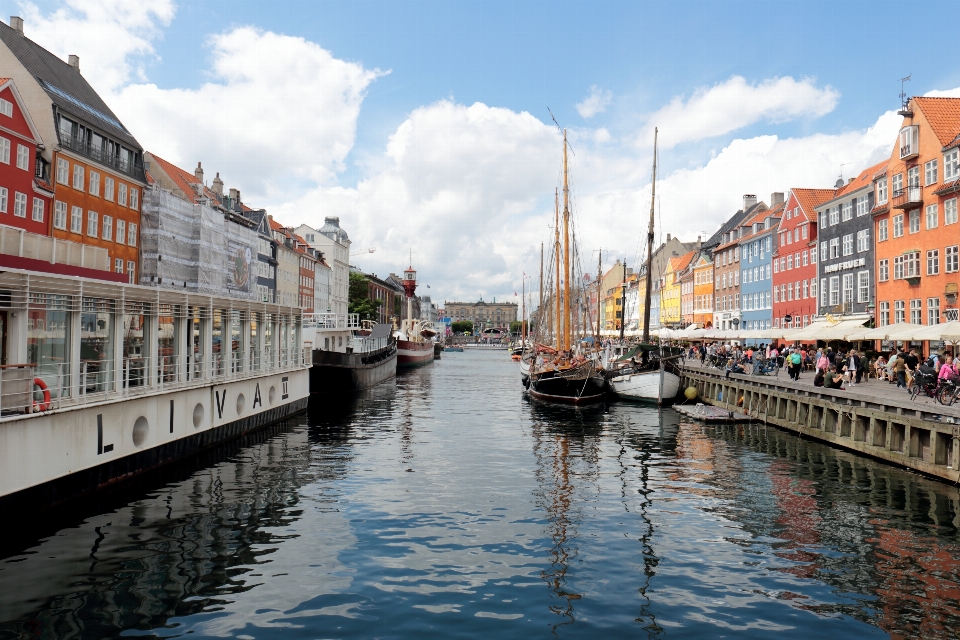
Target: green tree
461 326
360 302
515 327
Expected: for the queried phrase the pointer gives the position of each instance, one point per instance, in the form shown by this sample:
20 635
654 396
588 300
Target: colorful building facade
795 259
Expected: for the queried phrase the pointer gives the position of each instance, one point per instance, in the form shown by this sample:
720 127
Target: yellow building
611 292
670 315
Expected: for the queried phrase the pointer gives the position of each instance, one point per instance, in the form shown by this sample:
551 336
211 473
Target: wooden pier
711 414
873 418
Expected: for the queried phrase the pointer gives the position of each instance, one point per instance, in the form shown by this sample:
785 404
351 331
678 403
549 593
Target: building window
863 240
913 177
930 172
950 165
4 150
862 208
60 215
806 289
122 194
132 235
108 189
20 205
933 217
847 211
952 259
107 228
804 254
132 271
37 210
898 225
834 215
835 247
898 268
897 183
847 287
835 290
6 108
805 231
882 191
933 310
121 231
899 312
884 318
23 157
813 256
916 311
4 196
92 218
863 286
63 171
76 220
134 198
118 265
884 270
933 262
94 183
78 177
881 230
914 217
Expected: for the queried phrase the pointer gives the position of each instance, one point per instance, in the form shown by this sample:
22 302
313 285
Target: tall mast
556 253
596 336
523 310
623 300
540 317
566 250
653 196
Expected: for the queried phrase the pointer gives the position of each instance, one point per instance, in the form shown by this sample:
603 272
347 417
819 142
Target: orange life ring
42 406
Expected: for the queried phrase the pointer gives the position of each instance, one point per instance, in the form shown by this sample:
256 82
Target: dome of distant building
331 229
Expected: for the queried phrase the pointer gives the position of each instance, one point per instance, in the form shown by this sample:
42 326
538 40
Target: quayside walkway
874 417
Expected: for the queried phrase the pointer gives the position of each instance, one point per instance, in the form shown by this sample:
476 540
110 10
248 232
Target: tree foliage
461 326
360 302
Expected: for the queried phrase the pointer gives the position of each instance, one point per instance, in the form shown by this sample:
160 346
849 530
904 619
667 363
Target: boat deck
711 414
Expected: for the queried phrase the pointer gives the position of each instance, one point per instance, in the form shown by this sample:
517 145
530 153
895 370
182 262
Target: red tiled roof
760 216
943 114
43 184
809 199
3 81
680 262
276 226
184 181
865 178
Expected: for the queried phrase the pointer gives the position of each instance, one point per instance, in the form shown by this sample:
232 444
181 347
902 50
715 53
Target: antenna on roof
840 181
904 102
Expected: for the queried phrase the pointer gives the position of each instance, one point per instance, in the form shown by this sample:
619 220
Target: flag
514 293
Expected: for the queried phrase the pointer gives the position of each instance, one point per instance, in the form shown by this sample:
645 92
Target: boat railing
48 386
331 321
363 344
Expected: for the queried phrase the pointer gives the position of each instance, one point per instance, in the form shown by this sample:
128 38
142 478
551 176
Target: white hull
648 386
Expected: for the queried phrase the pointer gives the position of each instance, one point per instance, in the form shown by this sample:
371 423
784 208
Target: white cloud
280 108
110 36
595 103
734 104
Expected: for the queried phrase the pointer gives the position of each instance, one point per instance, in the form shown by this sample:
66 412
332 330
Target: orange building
703 290
915 217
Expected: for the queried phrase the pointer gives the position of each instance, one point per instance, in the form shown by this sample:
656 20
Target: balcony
100 155
909 142
909 198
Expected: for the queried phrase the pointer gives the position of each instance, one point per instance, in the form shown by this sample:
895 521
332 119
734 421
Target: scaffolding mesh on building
196 247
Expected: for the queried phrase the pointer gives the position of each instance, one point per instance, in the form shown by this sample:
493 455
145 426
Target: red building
795 259
25 193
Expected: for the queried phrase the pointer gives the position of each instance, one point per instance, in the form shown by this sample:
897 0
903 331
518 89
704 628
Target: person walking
900 372
796 361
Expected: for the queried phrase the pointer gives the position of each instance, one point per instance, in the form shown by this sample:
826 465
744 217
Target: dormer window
909 142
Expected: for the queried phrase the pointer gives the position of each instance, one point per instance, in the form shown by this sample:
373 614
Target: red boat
414 344
414 354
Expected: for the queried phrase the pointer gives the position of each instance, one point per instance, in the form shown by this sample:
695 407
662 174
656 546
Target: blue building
756 269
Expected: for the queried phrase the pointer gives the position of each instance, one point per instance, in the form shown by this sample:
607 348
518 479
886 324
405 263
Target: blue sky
787 92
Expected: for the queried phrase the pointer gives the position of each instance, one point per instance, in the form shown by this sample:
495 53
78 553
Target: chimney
849 180
749 200
74 61
218 185
668 237
699 242
776 198
198 173
234 195
16 22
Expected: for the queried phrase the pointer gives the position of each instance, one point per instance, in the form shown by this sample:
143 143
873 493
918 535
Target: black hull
347 372
550 388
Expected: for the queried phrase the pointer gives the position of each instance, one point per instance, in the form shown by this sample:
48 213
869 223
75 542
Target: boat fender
41 406
690 393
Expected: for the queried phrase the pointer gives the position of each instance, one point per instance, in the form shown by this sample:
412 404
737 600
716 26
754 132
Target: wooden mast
653 196
540 322
566 250
623 300
556 253
596 336
523 311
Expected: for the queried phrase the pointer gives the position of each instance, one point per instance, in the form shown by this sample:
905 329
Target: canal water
444 504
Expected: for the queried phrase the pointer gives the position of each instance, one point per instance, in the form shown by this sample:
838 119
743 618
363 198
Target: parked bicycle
924 382
766 366
947 392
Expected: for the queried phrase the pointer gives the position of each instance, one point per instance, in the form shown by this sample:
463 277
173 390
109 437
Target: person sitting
880 367
818 379
833 379
947 371
734 367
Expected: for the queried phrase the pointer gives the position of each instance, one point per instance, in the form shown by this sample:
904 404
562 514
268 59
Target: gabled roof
864 179
732 223
8 83
680 262
943 114
67 88
185 181
760 216
810 199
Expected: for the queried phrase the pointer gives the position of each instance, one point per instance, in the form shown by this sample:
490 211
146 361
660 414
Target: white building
321 283
335 245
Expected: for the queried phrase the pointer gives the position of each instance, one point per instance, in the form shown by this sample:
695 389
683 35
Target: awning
948 332
887 332
828 330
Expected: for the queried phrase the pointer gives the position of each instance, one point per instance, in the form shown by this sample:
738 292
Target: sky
427 128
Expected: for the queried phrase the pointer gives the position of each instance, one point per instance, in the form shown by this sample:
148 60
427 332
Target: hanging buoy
690 393
41 406
740 402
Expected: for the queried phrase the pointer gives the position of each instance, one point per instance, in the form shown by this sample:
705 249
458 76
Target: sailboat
563 372
646 373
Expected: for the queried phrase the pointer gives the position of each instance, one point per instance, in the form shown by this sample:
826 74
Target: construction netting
194 246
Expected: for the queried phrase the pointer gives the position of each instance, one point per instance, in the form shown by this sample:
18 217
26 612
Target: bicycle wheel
914 390
945 395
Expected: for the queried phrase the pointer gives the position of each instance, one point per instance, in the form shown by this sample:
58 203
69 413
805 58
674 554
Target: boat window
236 346
48 339
218 351
96 345
254 345
134 353
268 360
166 344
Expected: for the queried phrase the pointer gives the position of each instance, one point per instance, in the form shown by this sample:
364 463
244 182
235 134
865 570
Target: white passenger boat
101 381
658 385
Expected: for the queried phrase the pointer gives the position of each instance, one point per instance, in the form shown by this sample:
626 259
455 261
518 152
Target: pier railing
31 388
361 344
331 321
